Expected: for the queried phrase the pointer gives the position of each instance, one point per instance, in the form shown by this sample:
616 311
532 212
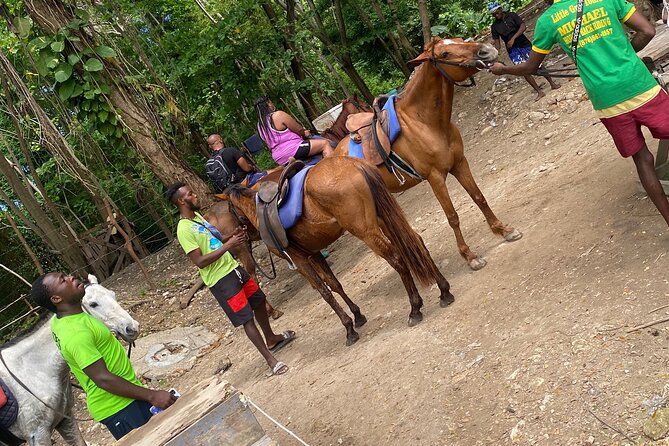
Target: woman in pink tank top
286 137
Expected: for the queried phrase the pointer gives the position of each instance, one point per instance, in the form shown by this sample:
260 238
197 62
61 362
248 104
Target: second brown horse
345 194
430 142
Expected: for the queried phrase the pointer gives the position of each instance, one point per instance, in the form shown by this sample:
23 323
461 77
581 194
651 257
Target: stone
657 426
462 114
536 116
486 130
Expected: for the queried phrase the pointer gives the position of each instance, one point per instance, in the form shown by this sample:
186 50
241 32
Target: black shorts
303 150
238 294
131 417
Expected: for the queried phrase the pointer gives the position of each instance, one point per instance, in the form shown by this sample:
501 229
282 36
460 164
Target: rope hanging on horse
255 262
20 383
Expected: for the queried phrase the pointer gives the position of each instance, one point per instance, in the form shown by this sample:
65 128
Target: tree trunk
342 56
59 241
425 21
144 127
400 32
394 54
296 63
24 243
394 41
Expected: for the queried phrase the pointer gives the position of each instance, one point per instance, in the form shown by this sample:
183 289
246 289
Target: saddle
371 130
270 197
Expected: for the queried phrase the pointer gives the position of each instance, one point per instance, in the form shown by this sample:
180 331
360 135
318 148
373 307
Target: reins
16 378
232 209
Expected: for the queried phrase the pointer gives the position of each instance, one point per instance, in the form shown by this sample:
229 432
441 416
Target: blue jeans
254 177
131 417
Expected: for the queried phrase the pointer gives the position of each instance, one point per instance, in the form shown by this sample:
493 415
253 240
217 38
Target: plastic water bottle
154 410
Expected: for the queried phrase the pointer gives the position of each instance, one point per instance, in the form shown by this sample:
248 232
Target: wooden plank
189 408
228 424
658 48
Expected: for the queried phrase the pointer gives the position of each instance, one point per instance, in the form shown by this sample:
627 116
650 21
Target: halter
234 212
437 62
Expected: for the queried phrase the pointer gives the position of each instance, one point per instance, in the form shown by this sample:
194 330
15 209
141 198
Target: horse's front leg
438 185
463 174
68 428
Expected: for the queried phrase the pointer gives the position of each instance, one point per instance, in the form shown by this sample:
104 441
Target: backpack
218 172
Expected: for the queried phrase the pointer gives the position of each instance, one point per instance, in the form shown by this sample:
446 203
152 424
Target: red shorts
238 295
626 128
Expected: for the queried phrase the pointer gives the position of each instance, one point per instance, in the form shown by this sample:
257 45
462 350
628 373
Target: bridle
436 62
241 219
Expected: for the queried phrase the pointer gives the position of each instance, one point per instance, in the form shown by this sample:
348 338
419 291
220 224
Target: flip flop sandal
279 368
288 337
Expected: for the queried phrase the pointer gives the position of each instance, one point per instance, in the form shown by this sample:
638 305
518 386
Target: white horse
35 360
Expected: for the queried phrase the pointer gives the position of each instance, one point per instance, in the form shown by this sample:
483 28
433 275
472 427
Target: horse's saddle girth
372 131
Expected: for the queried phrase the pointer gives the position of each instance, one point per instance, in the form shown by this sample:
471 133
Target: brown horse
370 213
349 106
429 142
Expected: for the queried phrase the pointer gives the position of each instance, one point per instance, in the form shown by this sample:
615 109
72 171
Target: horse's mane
237 190
44 318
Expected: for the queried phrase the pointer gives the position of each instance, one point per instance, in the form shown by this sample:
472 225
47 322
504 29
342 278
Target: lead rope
247 402
20 383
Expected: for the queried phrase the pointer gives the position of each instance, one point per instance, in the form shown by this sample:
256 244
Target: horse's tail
399 232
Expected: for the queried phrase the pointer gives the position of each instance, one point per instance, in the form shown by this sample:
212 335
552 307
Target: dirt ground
533 351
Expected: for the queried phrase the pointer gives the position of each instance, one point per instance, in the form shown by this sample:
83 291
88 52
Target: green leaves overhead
105 51
57 46
63 72
93 65
23 26
66 89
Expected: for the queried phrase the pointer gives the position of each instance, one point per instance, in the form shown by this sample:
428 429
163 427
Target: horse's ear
423 57
222 196
92 279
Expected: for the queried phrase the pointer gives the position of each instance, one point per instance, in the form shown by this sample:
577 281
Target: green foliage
469 18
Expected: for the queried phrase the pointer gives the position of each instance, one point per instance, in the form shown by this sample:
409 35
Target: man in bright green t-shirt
114 395
236 292
623 93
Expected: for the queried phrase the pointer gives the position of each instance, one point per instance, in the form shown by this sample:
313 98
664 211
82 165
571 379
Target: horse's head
353 105
456 59
101 303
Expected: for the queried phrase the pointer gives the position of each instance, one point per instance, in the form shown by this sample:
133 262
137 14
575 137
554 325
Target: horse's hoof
446 301
477 263
415 319
360 321
513 236
352 339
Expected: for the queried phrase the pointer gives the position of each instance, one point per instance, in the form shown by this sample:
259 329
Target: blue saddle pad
355 148
291 206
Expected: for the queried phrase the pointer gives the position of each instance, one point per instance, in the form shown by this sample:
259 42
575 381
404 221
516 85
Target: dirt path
534 348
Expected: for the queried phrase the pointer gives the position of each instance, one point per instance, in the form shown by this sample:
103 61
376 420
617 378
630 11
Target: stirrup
291 264
398 175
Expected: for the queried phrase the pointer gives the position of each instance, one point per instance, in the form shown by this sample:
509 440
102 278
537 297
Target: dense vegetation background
103 103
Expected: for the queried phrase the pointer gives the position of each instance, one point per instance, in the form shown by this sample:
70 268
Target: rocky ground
537 348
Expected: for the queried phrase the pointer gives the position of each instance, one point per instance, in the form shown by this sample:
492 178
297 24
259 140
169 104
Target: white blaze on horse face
101 303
